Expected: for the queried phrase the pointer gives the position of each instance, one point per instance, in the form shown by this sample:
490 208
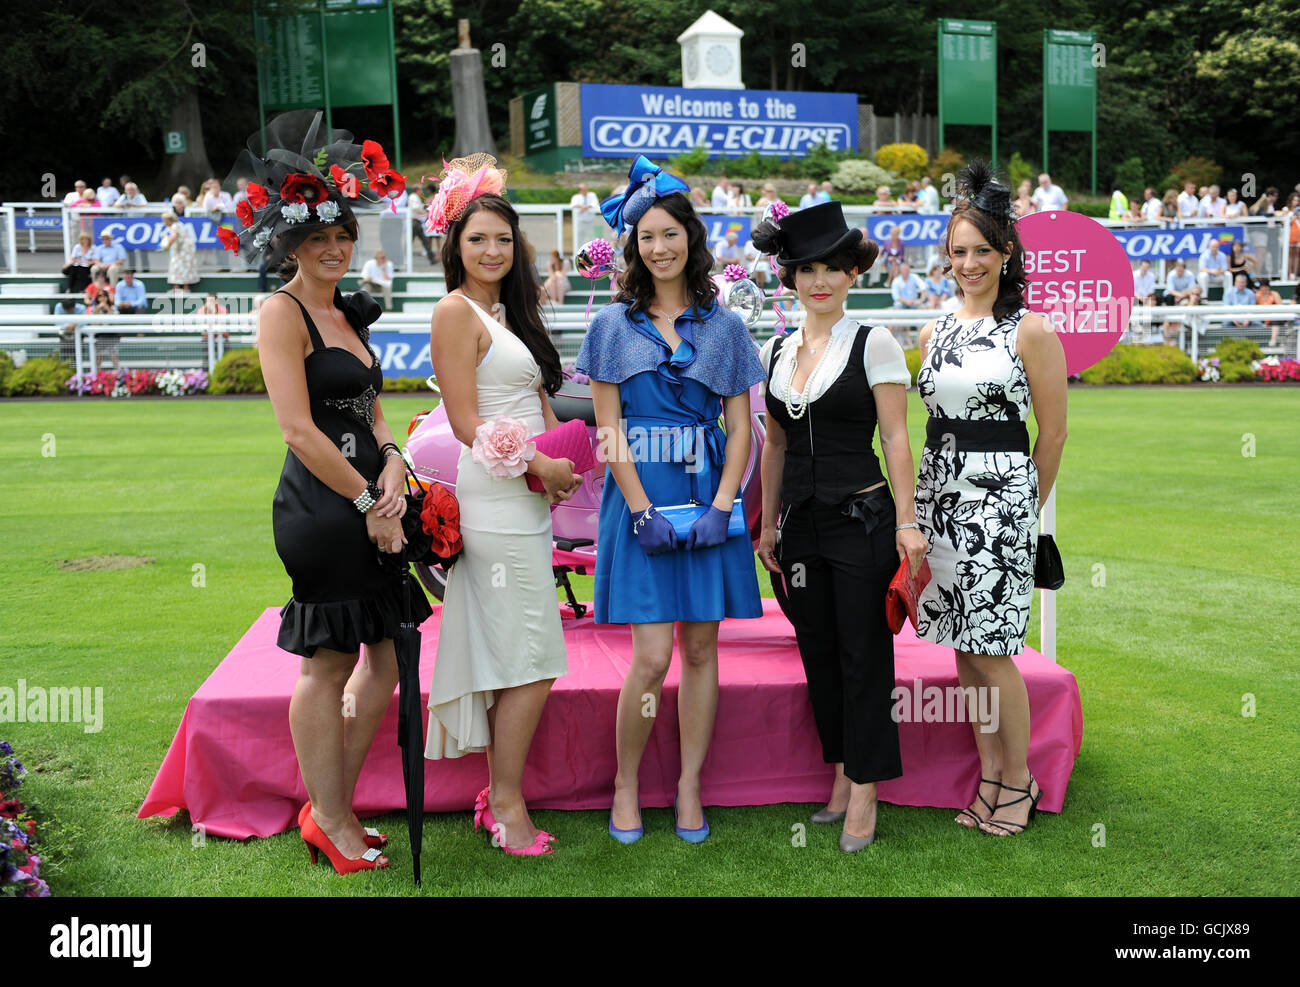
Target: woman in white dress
501 645
182 267
980 489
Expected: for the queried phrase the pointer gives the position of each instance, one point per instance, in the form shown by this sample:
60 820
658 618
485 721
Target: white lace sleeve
883 359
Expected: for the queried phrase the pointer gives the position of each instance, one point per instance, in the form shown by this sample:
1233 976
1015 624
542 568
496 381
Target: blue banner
719 226
47 222
146 232
403 354
1187 243
914 229
660 121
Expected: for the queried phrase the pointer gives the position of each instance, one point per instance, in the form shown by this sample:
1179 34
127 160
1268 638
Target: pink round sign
1077 276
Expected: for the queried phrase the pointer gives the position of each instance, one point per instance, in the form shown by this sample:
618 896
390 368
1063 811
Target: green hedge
238 372
913 358
407 385
44 376
1097 210
6 371
1127 364
1234 357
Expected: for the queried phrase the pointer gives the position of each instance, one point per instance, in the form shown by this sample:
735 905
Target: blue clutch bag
683 516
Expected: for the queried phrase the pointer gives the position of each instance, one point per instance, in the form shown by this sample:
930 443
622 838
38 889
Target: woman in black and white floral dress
980 488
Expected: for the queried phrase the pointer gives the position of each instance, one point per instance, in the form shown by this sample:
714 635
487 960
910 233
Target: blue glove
710 529
654 532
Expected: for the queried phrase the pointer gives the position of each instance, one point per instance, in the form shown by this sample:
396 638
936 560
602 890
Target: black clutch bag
1048 571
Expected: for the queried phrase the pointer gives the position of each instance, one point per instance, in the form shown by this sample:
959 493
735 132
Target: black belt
976 436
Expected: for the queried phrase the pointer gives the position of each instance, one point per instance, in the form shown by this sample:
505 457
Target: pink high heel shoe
540 847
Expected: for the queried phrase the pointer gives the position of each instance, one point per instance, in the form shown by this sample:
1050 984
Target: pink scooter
433 451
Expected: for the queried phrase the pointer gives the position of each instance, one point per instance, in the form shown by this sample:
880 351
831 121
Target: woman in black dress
830 525
339 504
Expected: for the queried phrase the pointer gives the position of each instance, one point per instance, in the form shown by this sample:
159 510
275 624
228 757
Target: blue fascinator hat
646 183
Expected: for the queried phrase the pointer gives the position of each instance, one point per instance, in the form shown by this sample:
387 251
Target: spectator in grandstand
1240 261
909 200
1234 208
110 257
557 282
106 342
1266 204
719 198
181 200
893 253
1293 235
179 241
1118 203
131 197
1171 328
768 197
212 305
1024 201
929 197
759 272
1189 206
727 250
131 298
1144 284
937 287
88 202
809 198
107 193
1211 206
1150 205
415 212
80 261
1169 205
214 200
1134 214
883 202
698 199
737 199
908 291
586 209
377 278
1179 284
1265 295
1239 294
825 192
1047 195
73 199
98 286
1212 263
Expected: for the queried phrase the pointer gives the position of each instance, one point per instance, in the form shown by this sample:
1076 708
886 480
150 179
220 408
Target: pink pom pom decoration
734 272
780 210
501 446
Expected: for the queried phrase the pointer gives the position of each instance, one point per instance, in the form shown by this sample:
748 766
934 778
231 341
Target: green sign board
328 53
174 142
540 129
1070 87
968 75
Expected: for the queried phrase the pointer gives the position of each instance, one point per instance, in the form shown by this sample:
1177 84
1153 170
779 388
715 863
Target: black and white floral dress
979 509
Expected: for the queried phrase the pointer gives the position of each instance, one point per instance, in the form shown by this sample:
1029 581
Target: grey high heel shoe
852 844
823 816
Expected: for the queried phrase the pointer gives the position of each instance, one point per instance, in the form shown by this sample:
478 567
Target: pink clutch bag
566 441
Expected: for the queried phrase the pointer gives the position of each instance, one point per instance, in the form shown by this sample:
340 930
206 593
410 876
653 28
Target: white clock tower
711 54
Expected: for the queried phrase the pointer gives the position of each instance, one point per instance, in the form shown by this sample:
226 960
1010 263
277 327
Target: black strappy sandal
1010 828
967 812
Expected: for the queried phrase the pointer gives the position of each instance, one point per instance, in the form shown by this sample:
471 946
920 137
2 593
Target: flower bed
1275 370
20 867
125 383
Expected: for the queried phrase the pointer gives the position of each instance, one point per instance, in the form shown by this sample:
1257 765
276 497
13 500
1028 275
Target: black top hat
812 233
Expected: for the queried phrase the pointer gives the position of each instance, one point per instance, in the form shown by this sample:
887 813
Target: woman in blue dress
665 360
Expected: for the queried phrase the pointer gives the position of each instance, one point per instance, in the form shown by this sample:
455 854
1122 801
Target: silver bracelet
910 524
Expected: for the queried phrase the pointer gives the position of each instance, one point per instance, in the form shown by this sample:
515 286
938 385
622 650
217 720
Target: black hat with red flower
302 178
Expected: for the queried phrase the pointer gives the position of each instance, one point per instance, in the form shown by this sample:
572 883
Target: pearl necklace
796 415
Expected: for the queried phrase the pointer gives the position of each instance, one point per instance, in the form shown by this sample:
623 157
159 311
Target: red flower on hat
374 158
256 195
298 187
228 238
245 212
390 181
345 183
440 517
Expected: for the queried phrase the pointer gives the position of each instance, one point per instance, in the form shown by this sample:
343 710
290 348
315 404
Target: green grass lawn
1180 600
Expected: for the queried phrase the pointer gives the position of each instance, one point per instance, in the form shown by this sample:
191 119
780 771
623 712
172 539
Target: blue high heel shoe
625 836
692 835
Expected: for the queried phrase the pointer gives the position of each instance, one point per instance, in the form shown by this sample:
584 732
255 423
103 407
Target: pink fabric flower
458 186
501 446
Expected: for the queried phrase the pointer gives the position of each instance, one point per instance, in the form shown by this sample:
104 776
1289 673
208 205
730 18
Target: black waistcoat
828 453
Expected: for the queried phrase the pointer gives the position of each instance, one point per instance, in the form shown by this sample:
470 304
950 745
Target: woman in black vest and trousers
830 525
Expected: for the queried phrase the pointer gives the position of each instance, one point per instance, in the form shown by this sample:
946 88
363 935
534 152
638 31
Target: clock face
692 62
718 59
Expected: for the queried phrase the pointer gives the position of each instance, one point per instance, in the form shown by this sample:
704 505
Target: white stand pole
1047 599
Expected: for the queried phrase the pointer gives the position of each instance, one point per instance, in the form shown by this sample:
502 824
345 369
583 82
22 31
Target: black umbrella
410 733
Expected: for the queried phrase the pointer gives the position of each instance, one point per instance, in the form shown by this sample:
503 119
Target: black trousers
837 568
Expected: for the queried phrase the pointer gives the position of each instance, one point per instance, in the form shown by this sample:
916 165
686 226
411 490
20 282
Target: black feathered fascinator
977 184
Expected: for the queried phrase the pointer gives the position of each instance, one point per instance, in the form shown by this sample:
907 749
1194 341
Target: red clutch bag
904 591
567 441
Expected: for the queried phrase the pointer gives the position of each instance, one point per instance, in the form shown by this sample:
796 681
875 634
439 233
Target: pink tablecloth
232 764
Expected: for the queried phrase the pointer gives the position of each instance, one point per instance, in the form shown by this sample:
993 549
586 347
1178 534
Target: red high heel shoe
316 840
373 837
540 847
